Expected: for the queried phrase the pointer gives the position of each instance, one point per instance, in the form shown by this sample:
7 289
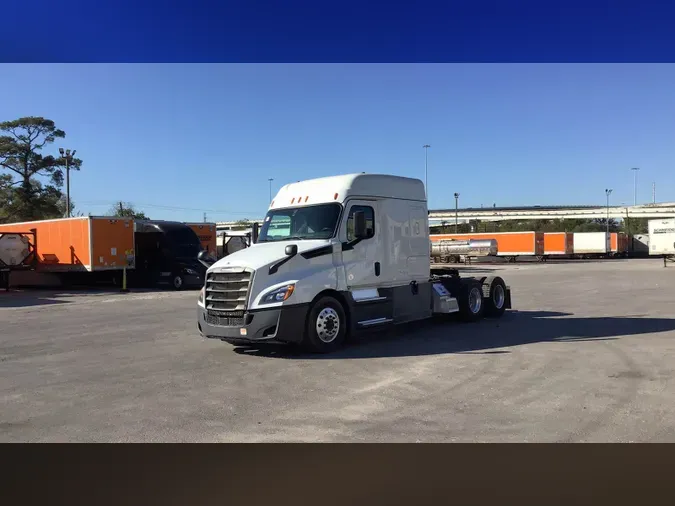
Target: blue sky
179 140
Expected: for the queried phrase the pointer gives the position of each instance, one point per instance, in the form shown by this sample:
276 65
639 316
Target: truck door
363 260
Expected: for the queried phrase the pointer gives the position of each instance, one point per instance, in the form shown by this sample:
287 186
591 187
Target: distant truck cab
167 252
337 256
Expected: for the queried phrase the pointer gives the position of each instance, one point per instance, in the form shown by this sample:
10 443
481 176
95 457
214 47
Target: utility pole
270 181
654 193
608 192
68 157
204 217
121 209
626 221
456 212
426 169
635 171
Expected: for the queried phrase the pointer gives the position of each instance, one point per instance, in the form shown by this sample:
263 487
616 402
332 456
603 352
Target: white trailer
662 238
588 244
337 256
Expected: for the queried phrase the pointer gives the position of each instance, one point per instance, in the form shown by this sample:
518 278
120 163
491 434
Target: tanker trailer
453 251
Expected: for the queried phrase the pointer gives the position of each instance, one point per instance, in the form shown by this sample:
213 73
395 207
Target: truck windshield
184 243
298 223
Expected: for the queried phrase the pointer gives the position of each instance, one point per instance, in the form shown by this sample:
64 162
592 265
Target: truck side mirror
255 232
204 258
360 231
291 250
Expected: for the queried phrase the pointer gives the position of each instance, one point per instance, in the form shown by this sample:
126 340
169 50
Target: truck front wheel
326 326
177 282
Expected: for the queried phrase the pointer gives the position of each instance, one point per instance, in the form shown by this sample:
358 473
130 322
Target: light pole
456 211
608 192
426 172
68 156
626 222
270 179
635 171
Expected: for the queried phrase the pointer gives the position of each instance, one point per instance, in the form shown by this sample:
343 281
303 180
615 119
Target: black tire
470 300
177 282
494 293
320 333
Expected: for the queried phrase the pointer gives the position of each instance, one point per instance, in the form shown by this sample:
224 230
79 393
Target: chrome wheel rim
475 300
327 325
498 296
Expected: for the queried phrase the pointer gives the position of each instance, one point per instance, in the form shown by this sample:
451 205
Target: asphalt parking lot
587 354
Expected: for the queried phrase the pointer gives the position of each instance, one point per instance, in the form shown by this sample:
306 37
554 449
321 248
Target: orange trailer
558 243
207 235
619 243
84 244
509 244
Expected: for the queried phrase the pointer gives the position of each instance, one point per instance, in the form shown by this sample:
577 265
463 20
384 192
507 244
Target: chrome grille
227 291
224 321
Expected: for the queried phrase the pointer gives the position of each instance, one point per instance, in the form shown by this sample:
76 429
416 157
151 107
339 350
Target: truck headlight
200 299
278 294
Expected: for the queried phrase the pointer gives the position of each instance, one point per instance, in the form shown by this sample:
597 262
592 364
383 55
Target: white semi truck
337 256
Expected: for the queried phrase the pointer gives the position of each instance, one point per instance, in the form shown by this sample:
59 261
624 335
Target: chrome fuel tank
476 248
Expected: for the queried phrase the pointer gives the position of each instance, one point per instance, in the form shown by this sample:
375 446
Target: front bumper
284 324
192 280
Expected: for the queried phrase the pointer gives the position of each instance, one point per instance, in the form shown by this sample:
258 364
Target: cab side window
370 221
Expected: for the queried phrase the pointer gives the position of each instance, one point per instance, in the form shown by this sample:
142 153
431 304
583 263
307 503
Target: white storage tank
586 243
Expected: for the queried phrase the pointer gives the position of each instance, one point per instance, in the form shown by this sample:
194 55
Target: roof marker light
293 200
272 204
335 196
306 198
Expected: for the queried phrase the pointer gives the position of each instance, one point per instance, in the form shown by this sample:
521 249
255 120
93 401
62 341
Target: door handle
377 268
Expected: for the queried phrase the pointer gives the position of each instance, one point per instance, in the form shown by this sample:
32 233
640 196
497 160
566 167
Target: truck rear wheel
470 300
494 293
326 326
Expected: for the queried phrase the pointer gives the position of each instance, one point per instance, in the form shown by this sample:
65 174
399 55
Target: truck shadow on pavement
21 297
485 337
16 299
